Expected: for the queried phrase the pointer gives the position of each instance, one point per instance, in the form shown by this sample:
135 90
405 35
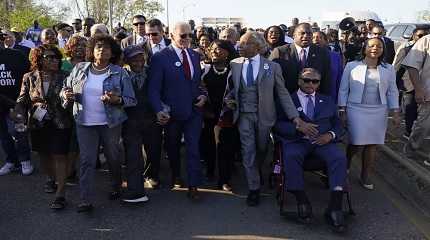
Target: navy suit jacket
167 83
325 117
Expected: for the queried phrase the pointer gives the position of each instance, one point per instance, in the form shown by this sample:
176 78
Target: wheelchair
277 177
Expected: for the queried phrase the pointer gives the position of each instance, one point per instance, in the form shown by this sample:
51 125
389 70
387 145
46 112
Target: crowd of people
70 93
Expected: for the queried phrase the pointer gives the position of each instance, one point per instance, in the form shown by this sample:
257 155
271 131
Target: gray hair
230 31
310 71
258 38
99 28
180 25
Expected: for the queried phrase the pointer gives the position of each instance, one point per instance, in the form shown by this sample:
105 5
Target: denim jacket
117 80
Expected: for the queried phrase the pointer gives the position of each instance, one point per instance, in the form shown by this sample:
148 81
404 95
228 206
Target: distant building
221 22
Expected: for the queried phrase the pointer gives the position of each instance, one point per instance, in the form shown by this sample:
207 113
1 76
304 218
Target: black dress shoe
193 193
253 198
176 183
304 212
50 186
114 195
336 219
84 207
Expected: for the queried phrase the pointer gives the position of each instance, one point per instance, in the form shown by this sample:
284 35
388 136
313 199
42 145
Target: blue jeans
89 138
15 144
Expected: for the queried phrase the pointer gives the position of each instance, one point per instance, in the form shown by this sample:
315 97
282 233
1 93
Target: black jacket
318 58
13 65
390 52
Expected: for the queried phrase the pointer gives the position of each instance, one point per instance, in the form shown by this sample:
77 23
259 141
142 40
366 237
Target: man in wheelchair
296 147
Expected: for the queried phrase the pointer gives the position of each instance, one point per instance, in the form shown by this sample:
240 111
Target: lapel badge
299 109
321 101
178 64
266 66
313 55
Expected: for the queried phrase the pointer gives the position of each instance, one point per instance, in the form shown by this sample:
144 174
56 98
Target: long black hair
381 60
281 39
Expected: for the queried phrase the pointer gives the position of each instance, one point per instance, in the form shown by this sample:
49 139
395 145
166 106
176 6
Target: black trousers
137 134
208 145
228 149
410 108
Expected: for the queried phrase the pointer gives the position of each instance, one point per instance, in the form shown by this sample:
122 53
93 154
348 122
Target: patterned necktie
249 74
310 107
302 58
186 65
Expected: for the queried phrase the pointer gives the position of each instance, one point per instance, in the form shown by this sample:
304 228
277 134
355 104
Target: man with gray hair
176 96
231 35
253 83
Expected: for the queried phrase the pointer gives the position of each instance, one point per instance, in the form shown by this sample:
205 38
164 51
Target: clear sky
263 13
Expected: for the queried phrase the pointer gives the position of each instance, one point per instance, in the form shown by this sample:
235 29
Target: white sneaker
7 168
26 168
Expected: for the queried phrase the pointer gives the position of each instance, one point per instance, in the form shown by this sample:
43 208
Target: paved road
24 214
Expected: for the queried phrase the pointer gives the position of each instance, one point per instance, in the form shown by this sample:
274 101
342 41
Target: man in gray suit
139 35
253 83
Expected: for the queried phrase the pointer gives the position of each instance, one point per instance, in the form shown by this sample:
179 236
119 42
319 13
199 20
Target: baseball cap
132 51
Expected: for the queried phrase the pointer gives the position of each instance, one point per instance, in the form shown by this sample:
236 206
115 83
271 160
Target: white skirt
367 124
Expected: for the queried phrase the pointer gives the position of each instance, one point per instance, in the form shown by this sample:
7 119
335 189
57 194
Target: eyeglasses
50 57
310 80
155 34
186 35
138 23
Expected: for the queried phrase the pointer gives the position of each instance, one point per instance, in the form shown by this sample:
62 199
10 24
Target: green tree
123 10
22 13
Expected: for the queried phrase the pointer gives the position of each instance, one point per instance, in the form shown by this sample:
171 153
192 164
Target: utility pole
167 14
110 16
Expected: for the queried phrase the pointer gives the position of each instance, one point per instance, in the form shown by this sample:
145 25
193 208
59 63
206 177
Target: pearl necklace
219 72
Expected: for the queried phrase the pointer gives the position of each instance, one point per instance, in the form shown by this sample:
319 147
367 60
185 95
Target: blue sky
268 12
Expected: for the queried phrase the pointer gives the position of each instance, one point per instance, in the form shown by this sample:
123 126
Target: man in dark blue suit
320 110
176 95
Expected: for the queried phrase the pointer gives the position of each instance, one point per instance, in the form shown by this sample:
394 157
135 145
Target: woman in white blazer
367 92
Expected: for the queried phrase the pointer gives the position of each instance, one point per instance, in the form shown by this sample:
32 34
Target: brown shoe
193 193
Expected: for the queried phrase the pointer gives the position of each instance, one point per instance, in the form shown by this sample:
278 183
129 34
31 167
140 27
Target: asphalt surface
24 213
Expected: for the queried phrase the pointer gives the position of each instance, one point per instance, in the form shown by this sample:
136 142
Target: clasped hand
110 98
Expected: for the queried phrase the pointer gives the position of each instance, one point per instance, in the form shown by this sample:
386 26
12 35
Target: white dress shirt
304 102
140 39
255 61
179 53
304 99
61 42
299 50
288 39
159 46
27 43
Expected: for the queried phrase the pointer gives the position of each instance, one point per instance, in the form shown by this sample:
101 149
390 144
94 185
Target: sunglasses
50 57
153 34
310 80
186 35
138 23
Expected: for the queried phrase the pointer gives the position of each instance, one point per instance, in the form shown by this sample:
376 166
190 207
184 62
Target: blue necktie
310 107
249 74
